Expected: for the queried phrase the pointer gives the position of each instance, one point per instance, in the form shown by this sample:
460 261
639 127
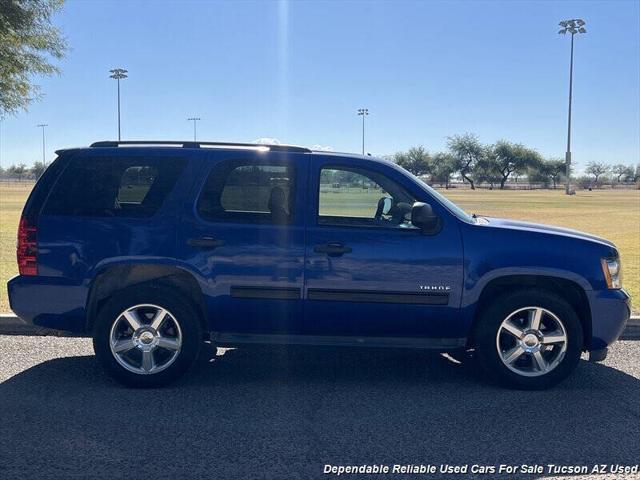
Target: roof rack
190 144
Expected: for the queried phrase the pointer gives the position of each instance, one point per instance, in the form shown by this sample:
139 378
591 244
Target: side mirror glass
423 217
386 205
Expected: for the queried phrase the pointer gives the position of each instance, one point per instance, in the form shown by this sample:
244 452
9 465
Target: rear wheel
529 339
147 337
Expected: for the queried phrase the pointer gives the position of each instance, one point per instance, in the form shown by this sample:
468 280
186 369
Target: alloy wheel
532 341
145 339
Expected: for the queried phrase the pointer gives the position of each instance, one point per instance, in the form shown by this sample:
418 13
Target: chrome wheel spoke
557 336
513 329
148 362
158 319
124 345
535 318
168 343
539 361
513 354
132 318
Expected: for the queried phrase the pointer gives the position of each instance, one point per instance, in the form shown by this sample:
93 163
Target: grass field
613 214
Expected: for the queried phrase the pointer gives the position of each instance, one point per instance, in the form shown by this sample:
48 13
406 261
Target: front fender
474 286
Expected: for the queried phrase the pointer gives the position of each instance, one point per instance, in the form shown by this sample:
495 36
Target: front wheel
529 339
147 337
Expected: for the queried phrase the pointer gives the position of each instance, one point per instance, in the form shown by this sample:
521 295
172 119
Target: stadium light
363 112
194 120
574 26
118 74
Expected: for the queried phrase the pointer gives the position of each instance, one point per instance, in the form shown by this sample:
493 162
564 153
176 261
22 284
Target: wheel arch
571 291
116 277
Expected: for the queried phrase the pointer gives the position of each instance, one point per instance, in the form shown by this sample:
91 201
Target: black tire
185 314
488 324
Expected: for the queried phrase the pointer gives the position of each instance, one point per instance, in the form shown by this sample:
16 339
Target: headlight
612 273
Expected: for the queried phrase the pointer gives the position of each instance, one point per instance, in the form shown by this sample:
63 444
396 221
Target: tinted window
358 197
135 184
114 187
43 187
244 191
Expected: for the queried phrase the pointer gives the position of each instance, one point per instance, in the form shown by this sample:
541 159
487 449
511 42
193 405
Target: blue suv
152 247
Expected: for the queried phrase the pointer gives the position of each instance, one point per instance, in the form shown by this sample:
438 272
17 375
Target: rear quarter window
114 187
43 187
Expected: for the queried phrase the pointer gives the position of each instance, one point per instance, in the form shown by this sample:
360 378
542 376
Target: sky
298 72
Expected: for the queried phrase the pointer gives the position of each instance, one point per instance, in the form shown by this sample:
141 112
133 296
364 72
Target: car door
245 241
369 271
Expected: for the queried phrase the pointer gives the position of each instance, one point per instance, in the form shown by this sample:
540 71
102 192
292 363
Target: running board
232 339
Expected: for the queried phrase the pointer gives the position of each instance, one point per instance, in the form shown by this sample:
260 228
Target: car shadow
274 412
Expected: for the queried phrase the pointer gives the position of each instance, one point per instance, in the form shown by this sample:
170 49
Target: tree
348 178
17 170
467 151
597 169
510 158
584 181
38 169
621 170
443 166
417 160
552 169
487 167
556 169
28 42
541 174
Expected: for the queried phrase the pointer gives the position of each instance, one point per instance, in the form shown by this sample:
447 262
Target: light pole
118 74
570 26
42 126
194 120
363 112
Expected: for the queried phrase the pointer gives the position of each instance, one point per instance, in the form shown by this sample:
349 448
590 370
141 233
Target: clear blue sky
298 72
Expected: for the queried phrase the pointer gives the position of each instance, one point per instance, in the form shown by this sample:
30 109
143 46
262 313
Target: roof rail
190 144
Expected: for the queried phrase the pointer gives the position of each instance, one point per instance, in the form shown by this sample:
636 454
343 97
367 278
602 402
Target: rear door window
135 184
114 187
246 191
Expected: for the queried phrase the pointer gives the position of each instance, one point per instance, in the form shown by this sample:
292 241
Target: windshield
448 204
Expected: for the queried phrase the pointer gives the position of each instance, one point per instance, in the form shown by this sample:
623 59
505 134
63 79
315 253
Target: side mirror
384 207
423 217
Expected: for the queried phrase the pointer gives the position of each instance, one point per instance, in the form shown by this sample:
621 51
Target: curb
632 332
12 325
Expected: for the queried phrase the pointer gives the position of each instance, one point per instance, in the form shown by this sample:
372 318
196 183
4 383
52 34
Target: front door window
362 198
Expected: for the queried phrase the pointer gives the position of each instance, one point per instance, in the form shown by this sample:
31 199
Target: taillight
27 250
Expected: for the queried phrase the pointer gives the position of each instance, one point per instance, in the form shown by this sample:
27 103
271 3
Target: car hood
546 229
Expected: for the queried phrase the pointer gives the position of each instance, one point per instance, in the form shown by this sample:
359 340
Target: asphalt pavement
278 413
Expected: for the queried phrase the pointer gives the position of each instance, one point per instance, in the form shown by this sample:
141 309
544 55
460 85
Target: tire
124 351
519 356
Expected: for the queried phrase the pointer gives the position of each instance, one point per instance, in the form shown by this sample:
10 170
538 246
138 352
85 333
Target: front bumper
610 312
49 302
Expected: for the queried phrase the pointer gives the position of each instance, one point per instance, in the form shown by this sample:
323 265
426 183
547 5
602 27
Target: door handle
332 249
205 242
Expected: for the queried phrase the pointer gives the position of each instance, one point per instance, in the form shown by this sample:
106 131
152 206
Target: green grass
612 214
